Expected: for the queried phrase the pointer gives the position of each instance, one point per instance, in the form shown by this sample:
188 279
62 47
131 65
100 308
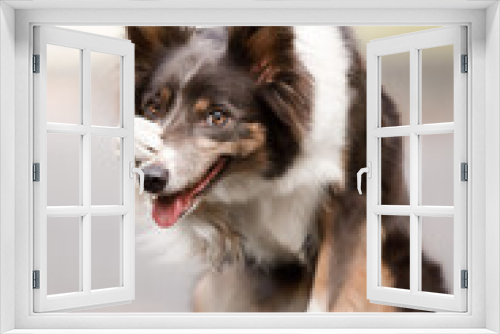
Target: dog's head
215 106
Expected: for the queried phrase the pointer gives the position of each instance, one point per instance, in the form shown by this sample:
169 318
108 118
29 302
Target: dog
250 139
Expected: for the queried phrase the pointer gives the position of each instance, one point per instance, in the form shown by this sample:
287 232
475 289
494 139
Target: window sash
412 43
87 297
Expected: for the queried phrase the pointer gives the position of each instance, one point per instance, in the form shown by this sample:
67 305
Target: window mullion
418 118
414 170
85 249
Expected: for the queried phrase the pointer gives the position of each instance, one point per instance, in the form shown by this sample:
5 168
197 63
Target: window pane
63 169
395 170
395 77
437 84
106 171
437 239
106 251
105 89
395 251
63 85
437 169
63 254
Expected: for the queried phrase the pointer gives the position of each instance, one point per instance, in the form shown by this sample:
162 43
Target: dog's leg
319 300
352 297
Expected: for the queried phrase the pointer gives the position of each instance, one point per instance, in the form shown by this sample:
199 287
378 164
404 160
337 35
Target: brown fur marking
352 298
201 105
255 139
321 285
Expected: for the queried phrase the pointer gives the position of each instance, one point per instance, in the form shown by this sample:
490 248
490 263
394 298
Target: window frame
86 44
414 44
476 317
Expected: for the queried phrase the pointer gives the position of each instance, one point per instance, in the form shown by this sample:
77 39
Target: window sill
248 331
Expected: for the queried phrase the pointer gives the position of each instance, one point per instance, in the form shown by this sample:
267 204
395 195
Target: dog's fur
282 225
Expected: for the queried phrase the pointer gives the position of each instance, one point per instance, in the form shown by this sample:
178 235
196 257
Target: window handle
138 171
368 171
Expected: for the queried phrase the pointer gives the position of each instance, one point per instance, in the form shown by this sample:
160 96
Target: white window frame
413 43
484 143
85 43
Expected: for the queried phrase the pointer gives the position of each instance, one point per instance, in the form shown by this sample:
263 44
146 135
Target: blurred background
166 286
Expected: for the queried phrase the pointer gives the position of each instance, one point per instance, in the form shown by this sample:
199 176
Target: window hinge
36 172
36 279
465 64
464 172
464 279
36 63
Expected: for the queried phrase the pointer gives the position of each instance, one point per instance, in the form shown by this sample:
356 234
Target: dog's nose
155 178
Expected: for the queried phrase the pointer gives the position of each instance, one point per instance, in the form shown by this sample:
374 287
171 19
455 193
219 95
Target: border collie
250 139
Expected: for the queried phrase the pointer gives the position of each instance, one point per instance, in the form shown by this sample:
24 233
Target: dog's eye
217 116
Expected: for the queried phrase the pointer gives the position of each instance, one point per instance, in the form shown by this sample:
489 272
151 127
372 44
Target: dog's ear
284 87
264 51
151 44
149 40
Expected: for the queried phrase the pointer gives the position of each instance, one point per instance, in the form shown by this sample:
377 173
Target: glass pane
437 169
395 78
437 84
63 169
395 252
437 269
106 251
105 89
63 85
395 155
106 171
63 254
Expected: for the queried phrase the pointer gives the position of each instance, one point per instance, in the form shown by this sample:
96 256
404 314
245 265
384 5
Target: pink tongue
167 214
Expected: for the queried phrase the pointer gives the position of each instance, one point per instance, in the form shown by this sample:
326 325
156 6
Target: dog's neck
276 227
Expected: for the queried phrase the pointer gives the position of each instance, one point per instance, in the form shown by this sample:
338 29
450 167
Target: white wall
7 92
492 164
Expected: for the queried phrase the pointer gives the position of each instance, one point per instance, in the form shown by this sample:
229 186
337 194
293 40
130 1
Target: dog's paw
147 138
316 306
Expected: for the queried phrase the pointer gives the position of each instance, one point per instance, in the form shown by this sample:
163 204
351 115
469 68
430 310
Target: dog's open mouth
167 209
